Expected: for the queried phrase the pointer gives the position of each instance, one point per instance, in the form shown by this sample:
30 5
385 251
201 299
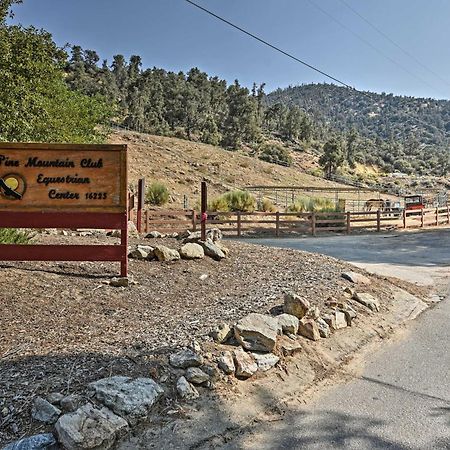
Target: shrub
275 154
266 205
302 204
157 194
13 236
234 201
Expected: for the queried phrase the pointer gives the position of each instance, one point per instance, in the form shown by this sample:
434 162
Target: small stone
226 363
196 376
221 333
185 358
192 251
71 403
225 250
308 328
153 235
212 250
341 321
203 277
132 230
185 390
90 428
44 411
257 332
288 323
245 364
289 346
54 398
324 329
119 282
295 305
351 292
356 278
138 253
164 253
313 313
38 442
367 300
350 314
265 361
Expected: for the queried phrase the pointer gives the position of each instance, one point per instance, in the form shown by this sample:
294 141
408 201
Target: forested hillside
391 131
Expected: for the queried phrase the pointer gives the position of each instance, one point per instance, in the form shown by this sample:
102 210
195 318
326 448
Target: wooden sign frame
113 214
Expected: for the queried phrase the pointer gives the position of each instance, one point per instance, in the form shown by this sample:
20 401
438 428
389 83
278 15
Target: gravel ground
61 327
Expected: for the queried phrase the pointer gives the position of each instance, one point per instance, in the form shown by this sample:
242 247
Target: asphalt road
402 399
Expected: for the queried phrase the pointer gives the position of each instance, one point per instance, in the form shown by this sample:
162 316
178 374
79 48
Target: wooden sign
64 186
61 177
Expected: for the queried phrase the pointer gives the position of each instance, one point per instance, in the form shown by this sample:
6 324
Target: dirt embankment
62 328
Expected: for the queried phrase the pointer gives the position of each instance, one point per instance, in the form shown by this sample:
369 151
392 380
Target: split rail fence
287 223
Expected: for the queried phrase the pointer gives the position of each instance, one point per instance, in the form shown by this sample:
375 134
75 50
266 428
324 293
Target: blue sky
176 36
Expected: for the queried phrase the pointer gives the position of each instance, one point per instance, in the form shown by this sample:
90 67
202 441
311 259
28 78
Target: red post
204 208
141 201
378 220
124 245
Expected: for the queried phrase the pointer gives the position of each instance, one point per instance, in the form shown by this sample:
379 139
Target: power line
382 33
373 47
269 44
366 94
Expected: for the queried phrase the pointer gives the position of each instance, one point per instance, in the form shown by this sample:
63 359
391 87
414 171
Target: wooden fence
284 224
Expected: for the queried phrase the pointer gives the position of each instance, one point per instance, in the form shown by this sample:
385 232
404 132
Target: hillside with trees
394 132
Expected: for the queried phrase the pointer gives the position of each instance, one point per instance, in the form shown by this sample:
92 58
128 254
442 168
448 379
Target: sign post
64 186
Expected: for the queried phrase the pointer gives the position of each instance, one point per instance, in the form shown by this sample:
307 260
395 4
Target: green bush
304 204
234 201
157 194
13 236
275 154
266 205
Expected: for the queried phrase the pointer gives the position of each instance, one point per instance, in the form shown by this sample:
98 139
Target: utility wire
395 44
269 44
373 47
366 94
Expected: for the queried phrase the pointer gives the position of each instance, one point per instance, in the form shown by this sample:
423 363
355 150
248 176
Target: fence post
203 218
348 222
404 218
437 216
239 224
313 223
448 215
277 224
194 220
378 220
421 218
146 221
141 195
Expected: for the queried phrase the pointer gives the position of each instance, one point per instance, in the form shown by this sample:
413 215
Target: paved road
402 400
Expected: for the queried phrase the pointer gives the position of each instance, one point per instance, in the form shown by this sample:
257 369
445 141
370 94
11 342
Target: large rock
324 328
295 305
350 314
154 235
185 390
90 428
288 323
356 278
71 403
132 230
212 250
225 250
38 442
196 376
221 332
265 361
185 358
138 253
308 328
164 253
289 346
257 332
130 399
44 411
214 234
226 363
245 364
367 300
192 251
335 320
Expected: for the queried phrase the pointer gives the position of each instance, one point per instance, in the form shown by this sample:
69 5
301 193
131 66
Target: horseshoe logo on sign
12 186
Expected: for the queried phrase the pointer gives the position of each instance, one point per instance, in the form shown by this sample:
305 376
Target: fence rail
288 223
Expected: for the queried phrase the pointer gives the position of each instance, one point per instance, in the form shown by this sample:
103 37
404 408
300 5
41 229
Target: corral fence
280 224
